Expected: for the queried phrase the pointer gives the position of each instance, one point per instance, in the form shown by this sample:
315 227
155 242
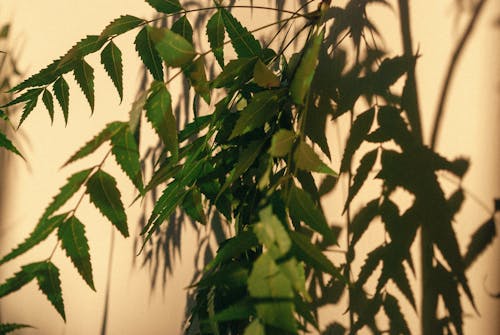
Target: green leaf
183 27
126 152
159 113
106 134
359 130
364 168
174 49
165 6
6 328
48 101
301 81
264 77
111 58
362 220
84 75
72 236
266 282
121 25
29 95
42 230
61 90
295 273
136 111
306 159
103 193
194 207
480 240
147 52
28 108
302 208
233 247
263 107
216 34
397 322
198 78
7 144
49 283
282 142
255 328
271 233
244 43
21 278
240 311
84 47
236 71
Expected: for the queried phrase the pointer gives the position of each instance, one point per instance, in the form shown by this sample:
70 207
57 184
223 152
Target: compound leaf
147 52
84 75
111 58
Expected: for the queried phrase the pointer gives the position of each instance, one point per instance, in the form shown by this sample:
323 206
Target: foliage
253 162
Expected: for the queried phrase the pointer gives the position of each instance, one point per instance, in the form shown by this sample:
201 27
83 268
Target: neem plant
253 161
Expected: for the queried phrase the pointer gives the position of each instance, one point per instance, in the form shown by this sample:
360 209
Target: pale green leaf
126 152
72 236
183 27
165 6
121 25
174 49
255 328
61 90
147 52
111 58
198 78
282 142
271 233
136 111
295 273
264 77
103 193
7 144
49 283
306 159
84 75
48 101
244 43
216 35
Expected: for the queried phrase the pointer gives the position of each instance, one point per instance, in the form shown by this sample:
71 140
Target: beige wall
48 28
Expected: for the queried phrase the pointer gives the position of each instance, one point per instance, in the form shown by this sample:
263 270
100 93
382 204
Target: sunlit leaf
48 101
236 71
194 207
255 328
21 278
165 6
84 75
216 35
174 49
264 77
111 58
183 27
126 152
282 142
121 25
84 47
145 47
244 43
198 78
271 233
306 159
135 112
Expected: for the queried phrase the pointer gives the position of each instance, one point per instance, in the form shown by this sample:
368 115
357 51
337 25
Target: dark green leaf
480 240
72 236
111 58
121 25
165 6
61 90
48 101
233 247
27 109
147 52
105 135
84 75
103 193
174 49
397 322
327 185
216 35
364 168
126 152
263 106
194 207
236 71
362 220
21 278
242 40
198 78
29 95
159 113
42 230
282 142
359 130
135 112
49 283
497 205
264 77
306 159
183 27
6 328
7 144
88 45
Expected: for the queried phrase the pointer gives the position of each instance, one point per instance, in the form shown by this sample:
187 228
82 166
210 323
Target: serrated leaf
193 206
359 130
27 109
111 58
364 168
61 90
302 79
198 78
302 208
233 247
84 47
121 25
159 113
21 278
255 328
264 77
42 230
306 159
49 283
6 328
106 134
244 43
174 49
7 144
48 101
216 34
136 111
126 152
26 96
271 233
480 240
145 47
362 220
165 6
397 322
103 193
183 27
261 108
84 75
72 236
266 282
235 72
282 143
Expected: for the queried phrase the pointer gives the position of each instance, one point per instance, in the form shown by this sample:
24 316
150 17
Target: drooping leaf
111 58
29 95
104 194
61 90
397 321
27 109
359 130
364 168
136 111
72 236
306 159
105 135
302 208
165 6
233 247
244 43
216 35
480 240
362 220
255 328
6 328
121 25
264 77
183 27
193 206
174 49
40 233
159 113
7 144
84 47
49 283
282 142
263 106
48 101
126 152
84 75
198 78
271 233
266 282
302 79
145 47
21 278
236 71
